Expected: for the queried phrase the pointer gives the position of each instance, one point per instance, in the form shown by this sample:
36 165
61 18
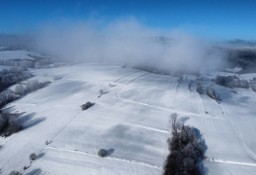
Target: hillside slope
130 119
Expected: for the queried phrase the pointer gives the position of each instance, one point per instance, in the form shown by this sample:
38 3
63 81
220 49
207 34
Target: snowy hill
130 119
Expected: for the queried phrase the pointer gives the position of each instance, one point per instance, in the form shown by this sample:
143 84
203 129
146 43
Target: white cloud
131 43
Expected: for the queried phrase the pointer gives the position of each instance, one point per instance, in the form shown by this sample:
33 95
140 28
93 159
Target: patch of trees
187 148
6 97
15 173
13 76
37 62
29 86
212 94
209 91
9 124
244 58
25 63
20 90
199 88
231 82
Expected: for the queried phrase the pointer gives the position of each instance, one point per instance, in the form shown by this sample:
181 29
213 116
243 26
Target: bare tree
187 148
174 117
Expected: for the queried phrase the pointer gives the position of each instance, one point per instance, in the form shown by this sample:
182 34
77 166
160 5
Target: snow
131 121
248 76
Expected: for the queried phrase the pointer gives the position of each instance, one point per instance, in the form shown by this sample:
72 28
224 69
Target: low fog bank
129 43
17 42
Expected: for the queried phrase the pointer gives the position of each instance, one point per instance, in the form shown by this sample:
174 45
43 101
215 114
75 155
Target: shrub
102 153
32 157
13 126
102 92
15 173
26 167
87 105
48 142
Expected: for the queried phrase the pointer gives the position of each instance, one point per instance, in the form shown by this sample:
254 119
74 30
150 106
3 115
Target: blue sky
220 19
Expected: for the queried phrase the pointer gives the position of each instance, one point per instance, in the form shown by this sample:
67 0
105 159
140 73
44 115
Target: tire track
148 128
231 162
239 134
127 76
237 131
117 96
108 158
166 109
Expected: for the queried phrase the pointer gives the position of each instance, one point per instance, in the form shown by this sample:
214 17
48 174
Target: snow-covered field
131 120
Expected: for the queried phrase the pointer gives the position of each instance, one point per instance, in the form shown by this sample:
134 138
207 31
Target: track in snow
149 128
166 109
117 96
238 134
231 162
108 158
133 78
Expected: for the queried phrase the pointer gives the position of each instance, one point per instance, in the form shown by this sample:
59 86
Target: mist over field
127 87
129 43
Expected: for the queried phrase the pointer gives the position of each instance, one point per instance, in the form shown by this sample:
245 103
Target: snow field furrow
231 162
108 158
